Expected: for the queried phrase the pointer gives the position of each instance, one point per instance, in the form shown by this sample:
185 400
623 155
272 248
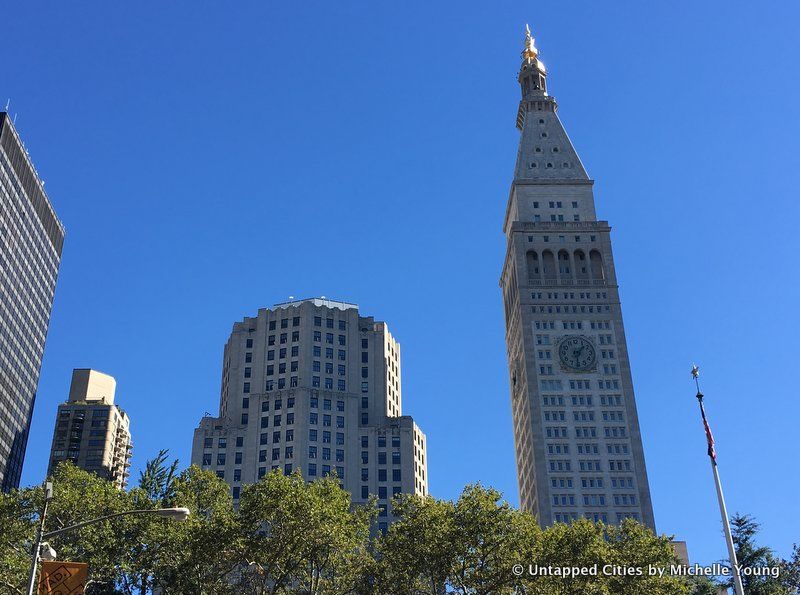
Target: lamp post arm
98 520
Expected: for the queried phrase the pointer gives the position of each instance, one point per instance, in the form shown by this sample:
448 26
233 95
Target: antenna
8 104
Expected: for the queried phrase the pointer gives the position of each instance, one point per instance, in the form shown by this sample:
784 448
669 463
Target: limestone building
576 431
31 238
91 431
312 385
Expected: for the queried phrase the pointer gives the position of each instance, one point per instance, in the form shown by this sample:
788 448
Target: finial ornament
530 52
696 376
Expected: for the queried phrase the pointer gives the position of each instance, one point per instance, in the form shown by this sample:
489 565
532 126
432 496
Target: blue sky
210 159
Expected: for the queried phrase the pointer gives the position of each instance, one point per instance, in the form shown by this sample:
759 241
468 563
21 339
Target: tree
17 530
479 544
303 536
194 556
702 585
199 555
158 480
491 537
580 544
468 546
79 496
417 553
632 545
744 529
291 536
147 540
792 566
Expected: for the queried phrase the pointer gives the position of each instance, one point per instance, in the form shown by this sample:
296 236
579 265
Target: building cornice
551 182
518 226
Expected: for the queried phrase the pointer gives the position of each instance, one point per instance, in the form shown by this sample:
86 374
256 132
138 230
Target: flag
709 436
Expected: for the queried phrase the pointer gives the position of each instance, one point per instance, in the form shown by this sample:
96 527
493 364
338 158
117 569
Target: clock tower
576 429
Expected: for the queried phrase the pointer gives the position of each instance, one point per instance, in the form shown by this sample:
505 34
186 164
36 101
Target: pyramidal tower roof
545 150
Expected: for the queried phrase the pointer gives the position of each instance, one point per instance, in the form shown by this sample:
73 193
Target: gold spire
530 53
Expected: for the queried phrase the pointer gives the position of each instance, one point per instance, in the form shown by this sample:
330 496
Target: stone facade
313 386
576 430
91 431
31 239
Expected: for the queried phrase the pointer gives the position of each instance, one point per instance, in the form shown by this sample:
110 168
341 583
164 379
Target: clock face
577 353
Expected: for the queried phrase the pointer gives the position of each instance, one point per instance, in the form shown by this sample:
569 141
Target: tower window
541 121
544 135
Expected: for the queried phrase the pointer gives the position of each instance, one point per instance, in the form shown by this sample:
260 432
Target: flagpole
723 511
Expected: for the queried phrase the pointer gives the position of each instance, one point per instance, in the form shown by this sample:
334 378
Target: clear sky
209 159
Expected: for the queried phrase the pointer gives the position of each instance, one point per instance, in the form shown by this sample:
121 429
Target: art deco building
312 385
576 430
31 238
91 431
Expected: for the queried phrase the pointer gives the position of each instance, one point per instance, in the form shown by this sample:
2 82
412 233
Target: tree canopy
291 536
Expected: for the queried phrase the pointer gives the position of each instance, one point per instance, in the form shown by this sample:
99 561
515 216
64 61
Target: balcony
565 282
562 225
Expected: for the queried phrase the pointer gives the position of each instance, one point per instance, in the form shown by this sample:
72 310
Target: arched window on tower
564 268
581 265
534 266
548 265
596 260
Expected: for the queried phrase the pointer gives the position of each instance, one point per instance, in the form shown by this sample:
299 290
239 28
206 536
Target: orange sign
63 578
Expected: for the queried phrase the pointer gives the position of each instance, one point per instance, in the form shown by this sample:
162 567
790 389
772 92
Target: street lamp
175 514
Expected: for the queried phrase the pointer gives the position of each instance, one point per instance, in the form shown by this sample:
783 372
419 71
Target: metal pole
37 544
723 511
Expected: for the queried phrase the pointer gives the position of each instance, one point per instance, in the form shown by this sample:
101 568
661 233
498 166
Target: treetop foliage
290 536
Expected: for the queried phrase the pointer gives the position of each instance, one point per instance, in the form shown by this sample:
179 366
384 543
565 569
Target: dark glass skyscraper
31 238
